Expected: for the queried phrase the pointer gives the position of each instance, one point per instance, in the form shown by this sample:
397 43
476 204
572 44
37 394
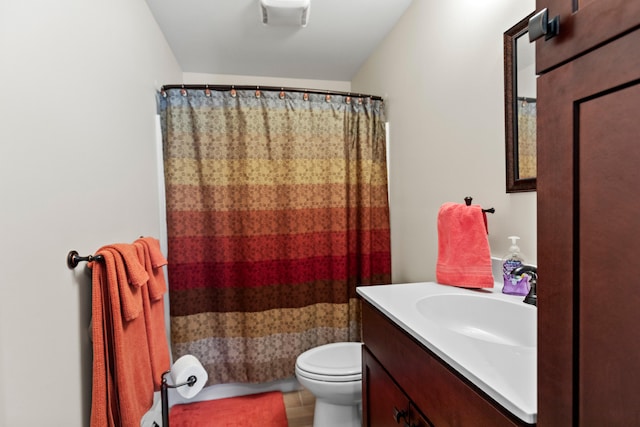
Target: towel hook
468 199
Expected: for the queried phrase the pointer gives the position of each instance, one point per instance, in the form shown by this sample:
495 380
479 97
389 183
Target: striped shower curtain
276 210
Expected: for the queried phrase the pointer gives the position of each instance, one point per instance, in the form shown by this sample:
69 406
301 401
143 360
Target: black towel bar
73 259
467 201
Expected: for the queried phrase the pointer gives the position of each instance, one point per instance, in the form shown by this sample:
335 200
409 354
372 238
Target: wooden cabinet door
589 238
584 25
416 419
384 404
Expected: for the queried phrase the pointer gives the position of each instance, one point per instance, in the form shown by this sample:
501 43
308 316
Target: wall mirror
520 108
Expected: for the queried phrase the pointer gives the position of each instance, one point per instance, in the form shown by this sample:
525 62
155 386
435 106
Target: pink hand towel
464 258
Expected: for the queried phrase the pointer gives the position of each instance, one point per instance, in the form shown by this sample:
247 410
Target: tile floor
299 406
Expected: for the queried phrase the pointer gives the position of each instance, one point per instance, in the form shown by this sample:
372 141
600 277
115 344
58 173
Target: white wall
77 171
441 73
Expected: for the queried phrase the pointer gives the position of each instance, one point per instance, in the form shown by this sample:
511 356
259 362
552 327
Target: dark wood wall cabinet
589 215
404 384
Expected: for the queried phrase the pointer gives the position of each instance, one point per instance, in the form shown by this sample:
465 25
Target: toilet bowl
333 374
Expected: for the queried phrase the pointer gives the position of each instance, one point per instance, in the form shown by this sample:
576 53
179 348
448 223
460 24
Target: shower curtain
527 139
276 210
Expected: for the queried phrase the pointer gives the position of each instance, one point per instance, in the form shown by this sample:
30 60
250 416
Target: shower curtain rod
269 88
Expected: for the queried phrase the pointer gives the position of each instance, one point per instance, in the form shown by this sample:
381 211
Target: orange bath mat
264 409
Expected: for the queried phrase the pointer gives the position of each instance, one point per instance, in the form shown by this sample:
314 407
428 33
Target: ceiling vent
285 12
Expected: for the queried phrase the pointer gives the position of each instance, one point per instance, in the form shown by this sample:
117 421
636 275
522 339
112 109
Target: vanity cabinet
400 374
589 215
385 405
584 25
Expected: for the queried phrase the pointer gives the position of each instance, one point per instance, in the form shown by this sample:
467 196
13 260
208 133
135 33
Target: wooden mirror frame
510 37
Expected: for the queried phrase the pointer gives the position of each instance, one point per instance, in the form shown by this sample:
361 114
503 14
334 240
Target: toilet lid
338 362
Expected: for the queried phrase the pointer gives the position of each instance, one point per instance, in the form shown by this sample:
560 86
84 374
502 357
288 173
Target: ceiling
228 37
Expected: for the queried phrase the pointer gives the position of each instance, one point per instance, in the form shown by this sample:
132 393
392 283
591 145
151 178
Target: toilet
333 374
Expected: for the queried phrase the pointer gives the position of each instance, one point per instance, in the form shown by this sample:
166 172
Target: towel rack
73 259
467 201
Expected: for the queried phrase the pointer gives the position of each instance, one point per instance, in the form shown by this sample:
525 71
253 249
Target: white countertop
507 373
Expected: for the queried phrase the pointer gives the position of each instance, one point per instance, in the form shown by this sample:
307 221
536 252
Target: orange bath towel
122 389
153 265
464 258
153 303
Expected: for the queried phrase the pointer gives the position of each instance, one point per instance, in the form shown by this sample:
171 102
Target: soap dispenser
514 285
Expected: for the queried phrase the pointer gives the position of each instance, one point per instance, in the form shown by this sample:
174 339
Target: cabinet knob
398 415
540 25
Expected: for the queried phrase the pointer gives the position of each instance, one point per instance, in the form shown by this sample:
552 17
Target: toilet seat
335 362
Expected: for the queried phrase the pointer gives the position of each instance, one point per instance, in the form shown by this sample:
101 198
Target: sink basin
482 317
